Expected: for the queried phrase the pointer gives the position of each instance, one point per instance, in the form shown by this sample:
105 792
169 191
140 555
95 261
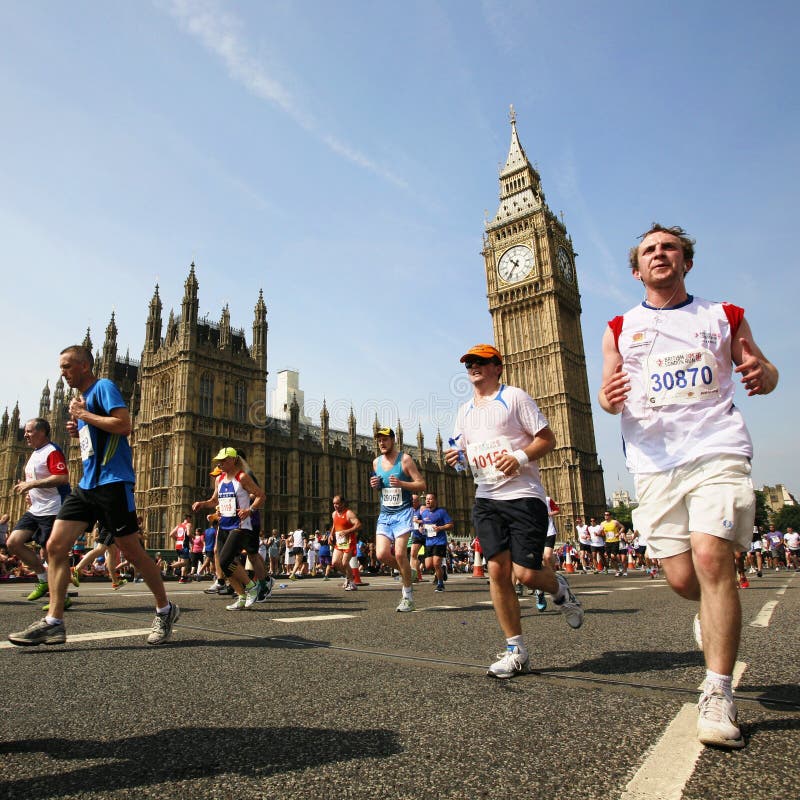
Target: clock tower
535 305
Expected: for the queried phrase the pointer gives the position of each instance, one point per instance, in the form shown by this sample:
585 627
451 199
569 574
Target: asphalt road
321 693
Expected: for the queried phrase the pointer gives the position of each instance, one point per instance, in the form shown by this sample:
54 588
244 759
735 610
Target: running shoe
293 577
265 590
413 576
250 595
717 721
227 589
75 577
119 584
518 589
569 605
744 583
67 604
162 625
697 630
326 578
38 590
351 587
237 604
41 632
444 574
214 588
759 573
406 604
541 601
439 587
509 664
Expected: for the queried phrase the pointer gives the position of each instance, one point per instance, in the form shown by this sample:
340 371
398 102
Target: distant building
285 393
200 386
777 496
622 498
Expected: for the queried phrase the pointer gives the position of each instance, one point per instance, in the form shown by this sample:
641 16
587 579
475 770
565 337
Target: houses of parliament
199 385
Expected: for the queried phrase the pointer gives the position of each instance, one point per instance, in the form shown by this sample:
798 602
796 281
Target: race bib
85 441
430 530
227 506
482 456
342 538
682 377
392 497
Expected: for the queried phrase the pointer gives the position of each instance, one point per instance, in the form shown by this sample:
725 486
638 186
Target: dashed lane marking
317 618
672 760
763 617
96 637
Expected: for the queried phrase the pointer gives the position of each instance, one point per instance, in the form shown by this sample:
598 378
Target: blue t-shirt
437 517
106 456
400 498
210 535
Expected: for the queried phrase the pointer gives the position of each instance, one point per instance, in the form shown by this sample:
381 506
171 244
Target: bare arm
41 483
759 375
118 420
615 386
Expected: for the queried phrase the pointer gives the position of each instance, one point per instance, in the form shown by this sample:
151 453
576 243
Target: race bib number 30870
681 377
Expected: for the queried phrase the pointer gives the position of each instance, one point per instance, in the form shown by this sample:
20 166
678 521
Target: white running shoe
509 664
251 595
569 606
238 604
697 630
406 604
716 721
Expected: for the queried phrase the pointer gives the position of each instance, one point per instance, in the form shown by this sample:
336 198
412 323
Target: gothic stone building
199 386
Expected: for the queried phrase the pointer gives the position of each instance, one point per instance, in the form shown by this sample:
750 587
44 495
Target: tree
762 512
787 516
623 515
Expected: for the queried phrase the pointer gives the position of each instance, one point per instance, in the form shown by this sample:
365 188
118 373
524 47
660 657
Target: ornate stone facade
198 387
535 306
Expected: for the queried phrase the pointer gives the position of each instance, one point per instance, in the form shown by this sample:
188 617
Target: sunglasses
477 362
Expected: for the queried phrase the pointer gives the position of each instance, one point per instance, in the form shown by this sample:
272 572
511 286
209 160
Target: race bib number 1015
482 456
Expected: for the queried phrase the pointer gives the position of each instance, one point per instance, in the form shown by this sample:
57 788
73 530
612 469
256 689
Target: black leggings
236 541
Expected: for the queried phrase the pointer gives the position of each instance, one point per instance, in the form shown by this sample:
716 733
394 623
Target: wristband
521 457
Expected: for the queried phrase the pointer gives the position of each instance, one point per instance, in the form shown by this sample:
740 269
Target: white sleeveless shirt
680 407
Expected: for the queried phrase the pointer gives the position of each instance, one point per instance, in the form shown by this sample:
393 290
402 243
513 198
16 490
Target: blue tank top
393 498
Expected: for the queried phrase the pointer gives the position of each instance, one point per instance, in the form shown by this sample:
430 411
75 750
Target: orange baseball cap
482 351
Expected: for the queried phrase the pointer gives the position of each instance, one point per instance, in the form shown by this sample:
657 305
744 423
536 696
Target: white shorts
713 496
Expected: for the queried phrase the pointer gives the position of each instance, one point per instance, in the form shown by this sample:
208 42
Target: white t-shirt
297 538
596 536
680 408
583 534
504 423
792 540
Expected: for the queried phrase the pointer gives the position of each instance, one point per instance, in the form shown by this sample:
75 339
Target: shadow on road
183 754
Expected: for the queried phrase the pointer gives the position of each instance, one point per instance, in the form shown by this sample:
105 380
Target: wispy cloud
221 33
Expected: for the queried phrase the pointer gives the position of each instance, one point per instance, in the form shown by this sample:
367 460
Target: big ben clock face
565 265
515 264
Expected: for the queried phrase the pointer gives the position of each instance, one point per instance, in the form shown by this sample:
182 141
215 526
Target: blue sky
341 156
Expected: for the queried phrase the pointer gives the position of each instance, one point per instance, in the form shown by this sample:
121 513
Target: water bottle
459 467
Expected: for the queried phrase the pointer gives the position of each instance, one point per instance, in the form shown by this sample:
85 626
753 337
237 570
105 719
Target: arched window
207 395
159 463
240 402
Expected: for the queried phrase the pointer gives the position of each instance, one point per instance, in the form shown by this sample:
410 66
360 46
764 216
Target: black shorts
111 504
246 538
417 538
518 525
104 537
439 550
586 548
183 553
298 553
550 541
612 548
38 526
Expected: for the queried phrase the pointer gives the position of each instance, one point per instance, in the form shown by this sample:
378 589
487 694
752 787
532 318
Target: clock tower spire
535 306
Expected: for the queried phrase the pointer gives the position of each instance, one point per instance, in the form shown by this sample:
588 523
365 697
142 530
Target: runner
397 477
549 545
667 371
585 544
101 422
612 531
435 523
598 541
344 526
181 535
46 485
232 491
504 433
416 541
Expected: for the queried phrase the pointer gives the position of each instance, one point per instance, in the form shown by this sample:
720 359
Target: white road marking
318 618
672 759
763 617
97 636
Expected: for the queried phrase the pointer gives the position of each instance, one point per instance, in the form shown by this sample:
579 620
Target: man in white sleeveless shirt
667 369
